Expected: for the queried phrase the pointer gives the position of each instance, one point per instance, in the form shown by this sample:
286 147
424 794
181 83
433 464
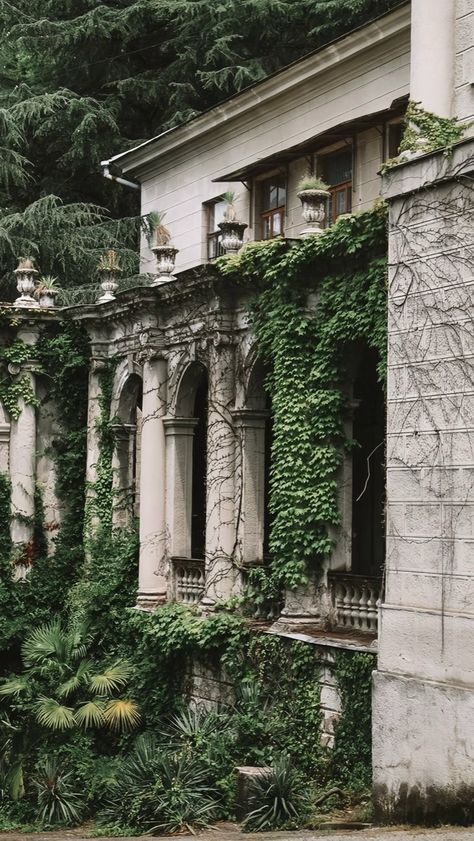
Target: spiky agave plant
279 797
57 799
155 230
230 213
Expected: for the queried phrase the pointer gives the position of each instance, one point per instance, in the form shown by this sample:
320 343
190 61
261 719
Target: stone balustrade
356 600
189 580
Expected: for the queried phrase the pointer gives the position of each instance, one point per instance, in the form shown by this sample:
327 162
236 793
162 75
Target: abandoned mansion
277 170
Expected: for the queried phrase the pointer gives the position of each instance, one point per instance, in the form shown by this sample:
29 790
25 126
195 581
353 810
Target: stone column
4 442
179 471
432 55
251 426
152 573
23 466
221 535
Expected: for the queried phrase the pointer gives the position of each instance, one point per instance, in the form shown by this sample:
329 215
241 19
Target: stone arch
126 425
190 379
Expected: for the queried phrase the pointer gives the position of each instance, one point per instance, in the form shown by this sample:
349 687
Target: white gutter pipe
107 174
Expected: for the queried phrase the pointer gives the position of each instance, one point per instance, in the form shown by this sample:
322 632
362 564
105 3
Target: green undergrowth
312 303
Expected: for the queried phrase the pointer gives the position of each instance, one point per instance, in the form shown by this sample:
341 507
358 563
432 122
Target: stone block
423 751
246 775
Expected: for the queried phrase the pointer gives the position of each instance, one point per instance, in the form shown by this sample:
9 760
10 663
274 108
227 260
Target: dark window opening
273 192
394 138
215 214
198 506
368 470
336 171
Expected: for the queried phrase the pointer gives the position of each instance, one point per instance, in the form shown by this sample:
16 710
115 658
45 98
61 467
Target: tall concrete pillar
433 55
423 700
179 473
23 466
152 575
251 525
221 471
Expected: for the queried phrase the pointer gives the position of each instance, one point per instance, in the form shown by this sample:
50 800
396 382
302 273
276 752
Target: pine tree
83 79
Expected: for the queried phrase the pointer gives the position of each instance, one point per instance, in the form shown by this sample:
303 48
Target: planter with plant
47 290
26 276
159 240
109 270
232 229
313 194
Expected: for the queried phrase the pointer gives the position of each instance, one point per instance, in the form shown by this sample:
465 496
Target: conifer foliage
82 79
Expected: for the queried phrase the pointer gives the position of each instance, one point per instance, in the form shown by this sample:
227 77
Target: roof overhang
314 63
343 131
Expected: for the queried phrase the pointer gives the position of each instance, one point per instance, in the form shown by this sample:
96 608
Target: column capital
180 426
250 417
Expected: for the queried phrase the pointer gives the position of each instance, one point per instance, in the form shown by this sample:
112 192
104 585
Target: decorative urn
109 271
26 276
314 204
166 260
232 235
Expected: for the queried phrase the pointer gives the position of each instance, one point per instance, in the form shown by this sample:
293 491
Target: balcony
188 580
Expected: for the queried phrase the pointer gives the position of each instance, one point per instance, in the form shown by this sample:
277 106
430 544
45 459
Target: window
336 171
215 214
394 138
273 206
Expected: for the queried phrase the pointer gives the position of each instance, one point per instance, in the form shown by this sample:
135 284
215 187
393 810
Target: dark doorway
368 469
198 509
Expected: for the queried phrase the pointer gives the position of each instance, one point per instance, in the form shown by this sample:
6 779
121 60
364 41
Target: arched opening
368 468
256 421
199 469
127 427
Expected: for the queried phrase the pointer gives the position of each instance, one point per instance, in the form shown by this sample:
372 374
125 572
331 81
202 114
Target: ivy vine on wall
312 302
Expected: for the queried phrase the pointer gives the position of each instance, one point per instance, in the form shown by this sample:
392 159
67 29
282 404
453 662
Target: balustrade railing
356 600
189 579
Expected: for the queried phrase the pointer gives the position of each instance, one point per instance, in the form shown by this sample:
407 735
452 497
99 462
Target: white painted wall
178 180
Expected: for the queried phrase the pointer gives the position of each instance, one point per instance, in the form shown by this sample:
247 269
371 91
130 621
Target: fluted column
23 465
221 573
152 573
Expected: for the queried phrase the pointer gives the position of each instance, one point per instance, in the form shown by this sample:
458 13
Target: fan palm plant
60 689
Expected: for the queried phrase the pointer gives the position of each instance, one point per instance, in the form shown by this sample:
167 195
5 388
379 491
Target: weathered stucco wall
424 687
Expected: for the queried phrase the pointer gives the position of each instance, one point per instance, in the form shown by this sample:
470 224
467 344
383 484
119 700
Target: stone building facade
191 418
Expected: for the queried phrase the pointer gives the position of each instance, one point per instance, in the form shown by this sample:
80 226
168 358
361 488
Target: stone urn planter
26 276
166 260
313 194
47 292
232 236
232 230
109 271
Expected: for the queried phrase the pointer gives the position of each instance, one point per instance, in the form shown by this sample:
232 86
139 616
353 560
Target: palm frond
121 714
73 683
13 687
50 713
111 679
45 642
90 713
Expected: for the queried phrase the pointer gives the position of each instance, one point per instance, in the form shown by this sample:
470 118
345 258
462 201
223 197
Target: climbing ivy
313 300
425 132
351 761
15 389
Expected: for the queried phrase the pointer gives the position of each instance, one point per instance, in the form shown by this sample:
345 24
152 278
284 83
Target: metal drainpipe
107 174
